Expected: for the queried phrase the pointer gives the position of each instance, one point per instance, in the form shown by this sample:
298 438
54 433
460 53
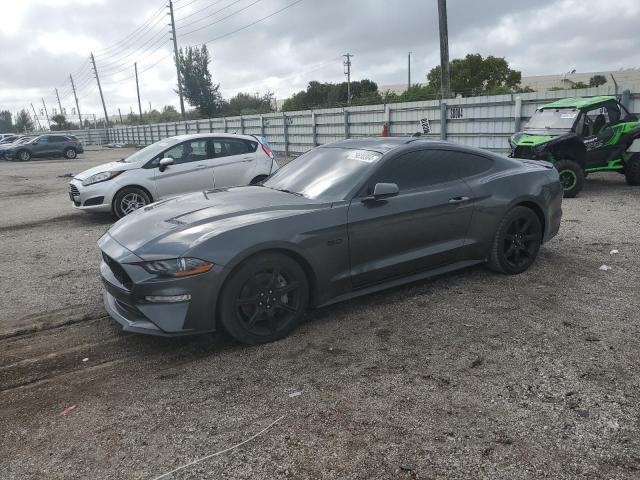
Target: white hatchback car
170 167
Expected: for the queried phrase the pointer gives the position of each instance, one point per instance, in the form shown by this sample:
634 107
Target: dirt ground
468 375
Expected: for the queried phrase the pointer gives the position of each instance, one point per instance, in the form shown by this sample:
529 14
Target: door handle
200 167
456 200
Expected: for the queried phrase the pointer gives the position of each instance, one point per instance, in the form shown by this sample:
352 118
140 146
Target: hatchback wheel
70 153
264 299
129 200
517 241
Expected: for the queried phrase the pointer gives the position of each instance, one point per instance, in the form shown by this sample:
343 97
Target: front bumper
126 285
93 198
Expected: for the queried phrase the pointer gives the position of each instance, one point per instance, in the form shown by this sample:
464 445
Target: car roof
192 136
386 144
579 102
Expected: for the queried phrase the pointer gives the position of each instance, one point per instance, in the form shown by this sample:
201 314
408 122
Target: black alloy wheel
517 241
264 299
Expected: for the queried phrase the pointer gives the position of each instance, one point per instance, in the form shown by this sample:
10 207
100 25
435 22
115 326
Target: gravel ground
468 375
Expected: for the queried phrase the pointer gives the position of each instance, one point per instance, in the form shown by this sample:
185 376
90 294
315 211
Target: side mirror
382 191
165 162
34 143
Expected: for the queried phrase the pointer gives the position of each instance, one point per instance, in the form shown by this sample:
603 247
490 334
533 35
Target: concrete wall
485 122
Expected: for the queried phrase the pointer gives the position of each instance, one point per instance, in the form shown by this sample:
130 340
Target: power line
148 36
186 4
138 53
217 21
209 6
132 34
253 23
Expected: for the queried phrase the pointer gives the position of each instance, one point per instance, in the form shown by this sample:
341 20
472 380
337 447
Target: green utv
580 136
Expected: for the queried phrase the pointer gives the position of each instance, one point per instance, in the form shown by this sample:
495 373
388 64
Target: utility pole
444 49
409 71
104 107
135 66
59 104
73 87
175 51
120 114
36 117
46 113
347 72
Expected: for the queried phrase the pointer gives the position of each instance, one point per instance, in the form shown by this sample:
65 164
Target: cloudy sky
43 41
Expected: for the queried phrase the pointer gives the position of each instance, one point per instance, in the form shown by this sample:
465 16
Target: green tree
474 75
6 123
60 122
597 80
248 104
23 122
197 86
324 95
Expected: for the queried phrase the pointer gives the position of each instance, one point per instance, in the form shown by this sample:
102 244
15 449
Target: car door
235 161
598 134
41 146
190 172
421 228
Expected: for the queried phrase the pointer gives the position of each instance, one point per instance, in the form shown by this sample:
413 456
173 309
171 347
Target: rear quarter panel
512 182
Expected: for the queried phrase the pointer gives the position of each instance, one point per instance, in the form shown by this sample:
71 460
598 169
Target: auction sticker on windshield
363 155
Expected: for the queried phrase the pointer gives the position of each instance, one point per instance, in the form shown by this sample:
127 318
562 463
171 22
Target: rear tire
258 179
128 200
632 171
264 299
70 153
571 177
517 242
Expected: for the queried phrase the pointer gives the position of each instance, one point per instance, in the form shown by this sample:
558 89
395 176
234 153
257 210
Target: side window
613 111
43 139
225 147
55 139
252 146
186 152
594 120
470 164
419 169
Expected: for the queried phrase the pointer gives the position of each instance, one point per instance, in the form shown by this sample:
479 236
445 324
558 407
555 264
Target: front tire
23 155
517 242
571 177
128 200
264 299
632 171
70 153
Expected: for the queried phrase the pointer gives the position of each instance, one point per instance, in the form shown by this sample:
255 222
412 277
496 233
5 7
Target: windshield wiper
289 191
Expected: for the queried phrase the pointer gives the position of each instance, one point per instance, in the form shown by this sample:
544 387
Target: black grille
74 190
118 271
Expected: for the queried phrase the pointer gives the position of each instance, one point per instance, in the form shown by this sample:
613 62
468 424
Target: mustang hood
172 227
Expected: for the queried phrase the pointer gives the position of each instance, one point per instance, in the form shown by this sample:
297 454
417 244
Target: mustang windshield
327 172
553 118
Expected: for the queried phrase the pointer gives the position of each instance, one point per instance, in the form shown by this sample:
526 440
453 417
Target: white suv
176 165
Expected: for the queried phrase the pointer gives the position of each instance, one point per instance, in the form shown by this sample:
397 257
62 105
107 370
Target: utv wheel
264 299
517 242
571 177
70 153
128 200
24 155
632 171
259 179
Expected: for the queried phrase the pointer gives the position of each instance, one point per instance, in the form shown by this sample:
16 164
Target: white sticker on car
568 115
363 155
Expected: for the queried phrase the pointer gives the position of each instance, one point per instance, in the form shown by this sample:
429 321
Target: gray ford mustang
342 220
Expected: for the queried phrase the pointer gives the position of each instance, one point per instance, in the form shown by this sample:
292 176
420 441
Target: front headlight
100 177
177 267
